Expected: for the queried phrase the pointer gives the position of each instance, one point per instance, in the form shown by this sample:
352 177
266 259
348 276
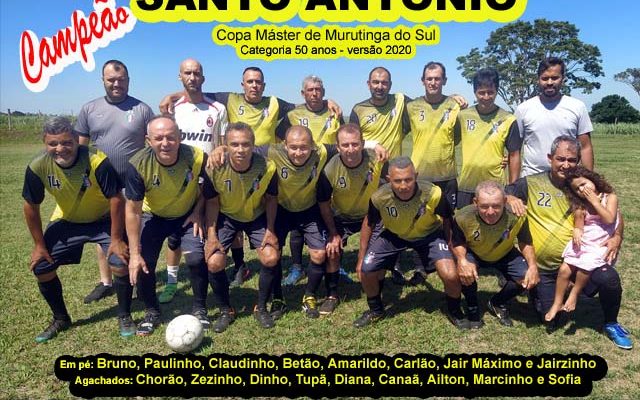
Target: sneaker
418 278
263 317
344 276
203 317
458 320
618 335
57 325
148 324
241 275
278 308
501 313
168 293
397 277
227 316
99 292
127 326
310 306
368 317
474 318
329 305
296 274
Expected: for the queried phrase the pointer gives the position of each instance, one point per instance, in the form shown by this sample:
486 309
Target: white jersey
201 125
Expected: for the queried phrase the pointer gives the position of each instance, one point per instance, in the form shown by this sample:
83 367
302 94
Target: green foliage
613 109
516 49
616 129
630 76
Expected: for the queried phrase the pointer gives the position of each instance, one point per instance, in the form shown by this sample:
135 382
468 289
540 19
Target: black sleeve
282 127
134 185
208 191
457 236
457 131
272 189
514 141
341 121
406 124
324 188
284 107
353 118
443 208
33 188
108 180
262 150
220 97
373 215
524 236
332 150
519 189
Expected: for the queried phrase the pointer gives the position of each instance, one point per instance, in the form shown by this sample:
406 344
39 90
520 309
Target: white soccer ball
184 333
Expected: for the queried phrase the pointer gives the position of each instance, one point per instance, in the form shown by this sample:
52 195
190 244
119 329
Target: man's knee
46 277
269 257
317 256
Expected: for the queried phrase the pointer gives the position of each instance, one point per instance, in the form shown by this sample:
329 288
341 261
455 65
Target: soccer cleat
418 278
310 306
474 318
329 305
618 335
397 277
227 316
148 324
168 293
278 308
263 317
57 325
241 275
99 292
126 326
501 313
203 317
457 319
368 317
296 274
344 276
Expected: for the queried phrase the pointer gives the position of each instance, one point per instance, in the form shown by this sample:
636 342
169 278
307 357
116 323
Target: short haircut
256 69
349 128
551 62
486 77
434 65
296 128
240 126
573 144
117 65
489 187
162 116
312 79
57 125
381 69
400 162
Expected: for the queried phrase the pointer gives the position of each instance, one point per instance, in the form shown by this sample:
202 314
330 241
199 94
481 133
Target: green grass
417 326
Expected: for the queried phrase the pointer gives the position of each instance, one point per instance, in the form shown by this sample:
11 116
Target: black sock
331 280
147 291
52 293
508 292
265 284
296 241
238 257
124 291
315 272
375 304
199 280
381 284
276 287
453 305
220 286
471 295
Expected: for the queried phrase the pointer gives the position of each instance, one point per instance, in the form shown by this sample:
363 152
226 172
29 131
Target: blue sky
153 52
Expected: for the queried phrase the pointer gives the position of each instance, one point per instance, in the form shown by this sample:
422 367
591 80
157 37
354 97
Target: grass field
416 326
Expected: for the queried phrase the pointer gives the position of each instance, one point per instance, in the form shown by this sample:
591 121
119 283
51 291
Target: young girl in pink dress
595 212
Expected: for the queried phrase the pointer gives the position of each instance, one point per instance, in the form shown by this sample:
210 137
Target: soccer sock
265 282
381 284
147 291
296 241
199 280
220 285
453 305
238 257
52 293
508 292
277 282
315 272
172 273
331 280
375 304
124 291
471 295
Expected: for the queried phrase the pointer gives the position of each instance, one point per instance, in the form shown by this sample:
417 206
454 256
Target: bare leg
582 277
564 274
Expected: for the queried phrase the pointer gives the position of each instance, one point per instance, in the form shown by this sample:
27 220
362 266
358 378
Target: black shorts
308 222
463 199
228 229
347 228
65 241
384 250
449 190
513 266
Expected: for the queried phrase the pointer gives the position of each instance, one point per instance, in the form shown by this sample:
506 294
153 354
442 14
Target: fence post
9 117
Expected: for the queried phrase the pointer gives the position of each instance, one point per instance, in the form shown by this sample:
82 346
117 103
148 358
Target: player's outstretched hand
462 102
136 264
382 154
120 249
467 271
334 245
517 206
38 254
531 279
197 220
216 157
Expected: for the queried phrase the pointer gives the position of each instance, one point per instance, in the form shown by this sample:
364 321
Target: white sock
172 273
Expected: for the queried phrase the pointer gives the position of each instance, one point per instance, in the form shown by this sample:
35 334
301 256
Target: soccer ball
184 333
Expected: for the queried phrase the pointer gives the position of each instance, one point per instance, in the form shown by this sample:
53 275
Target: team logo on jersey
256 184
314 171
421 211
495 126
129 116
327 124
189 176
369 177
393 112
155 181
505 235
265 112
445 116
209 121
85 181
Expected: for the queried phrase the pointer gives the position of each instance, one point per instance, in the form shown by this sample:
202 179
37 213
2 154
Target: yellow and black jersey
483 138
432 127
242 193
297 186
411 219
81 191
167 191
322 124
489 242
550 217
262 117
383 124
351 188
